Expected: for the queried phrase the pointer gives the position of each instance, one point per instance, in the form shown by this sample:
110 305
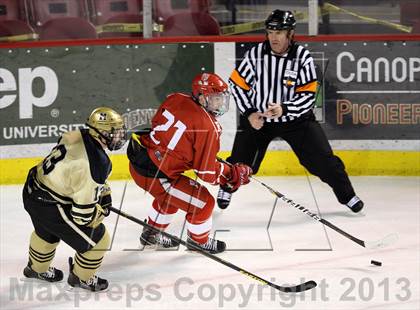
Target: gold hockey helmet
108 126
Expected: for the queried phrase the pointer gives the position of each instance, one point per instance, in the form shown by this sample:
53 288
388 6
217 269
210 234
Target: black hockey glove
105 198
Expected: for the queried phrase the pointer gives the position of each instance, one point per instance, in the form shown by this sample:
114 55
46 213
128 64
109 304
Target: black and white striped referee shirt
263 77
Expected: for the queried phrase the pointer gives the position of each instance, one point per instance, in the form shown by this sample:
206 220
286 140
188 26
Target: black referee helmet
280 20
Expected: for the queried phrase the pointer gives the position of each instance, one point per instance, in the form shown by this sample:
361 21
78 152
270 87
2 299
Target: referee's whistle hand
274 110
256 120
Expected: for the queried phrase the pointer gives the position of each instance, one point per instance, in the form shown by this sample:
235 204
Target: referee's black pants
307 140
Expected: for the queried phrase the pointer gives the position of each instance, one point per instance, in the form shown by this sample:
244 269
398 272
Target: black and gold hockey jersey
75 173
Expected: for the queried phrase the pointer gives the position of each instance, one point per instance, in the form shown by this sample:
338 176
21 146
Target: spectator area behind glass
22 20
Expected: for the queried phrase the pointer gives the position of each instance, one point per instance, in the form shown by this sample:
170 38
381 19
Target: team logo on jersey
289 82
289 78
291 74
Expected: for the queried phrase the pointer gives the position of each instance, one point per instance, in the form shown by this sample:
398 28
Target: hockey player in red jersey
185 135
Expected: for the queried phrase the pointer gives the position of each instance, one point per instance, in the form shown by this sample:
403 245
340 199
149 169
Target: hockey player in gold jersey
66 196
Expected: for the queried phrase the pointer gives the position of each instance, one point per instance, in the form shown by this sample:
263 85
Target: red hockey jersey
185 136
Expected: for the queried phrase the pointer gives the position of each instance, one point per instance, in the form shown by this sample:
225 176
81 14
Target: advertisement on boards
367 90
47 91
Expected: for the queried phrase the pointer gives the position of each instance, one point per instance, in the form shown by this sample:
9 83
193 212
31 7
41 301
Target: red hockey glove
239 176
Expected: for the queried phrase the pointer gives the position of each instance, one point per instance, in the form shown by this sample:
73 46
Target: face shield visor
218 103
116 138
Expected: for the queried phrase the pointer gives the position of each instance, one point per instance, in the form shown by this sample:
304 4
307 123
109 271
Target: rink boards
367 100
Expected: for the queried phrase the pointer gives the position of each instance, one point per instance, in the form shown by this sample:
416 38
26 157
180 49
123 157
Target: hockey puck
376 263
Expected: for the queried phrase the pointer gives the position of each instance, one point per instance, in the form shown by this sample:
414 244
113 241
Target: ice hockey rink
274 241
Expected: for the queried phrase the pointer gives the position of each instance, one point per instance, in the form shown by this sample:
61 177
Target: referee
274 88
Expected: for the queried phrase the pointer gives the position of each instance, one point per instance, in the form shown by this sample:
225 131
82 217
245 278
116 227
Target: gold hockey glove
105 199
98 216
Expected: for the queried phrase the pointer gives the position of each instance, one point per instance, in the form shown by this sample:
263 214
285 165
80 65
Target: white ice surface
183 280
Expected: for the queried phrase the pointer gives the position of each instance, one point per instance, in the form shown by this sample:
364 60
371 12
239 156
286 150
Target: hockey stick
286 289
386 241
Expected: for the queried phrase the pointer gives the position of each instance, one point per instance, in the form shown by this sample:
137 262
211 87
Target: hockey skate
223 198
355 204
212 246
154 239
94 283
51 275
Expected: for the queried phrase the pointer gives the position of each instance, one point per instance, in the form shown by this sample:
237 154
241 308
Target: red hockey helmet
214 90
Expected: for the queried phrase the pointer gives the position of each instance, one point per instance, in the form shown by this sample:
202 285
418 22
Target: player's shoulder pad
301 53
178 96
70 137
99 162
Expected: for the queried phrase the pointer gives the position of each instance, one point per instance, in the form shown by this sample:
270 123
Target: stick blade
384 242
298 288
